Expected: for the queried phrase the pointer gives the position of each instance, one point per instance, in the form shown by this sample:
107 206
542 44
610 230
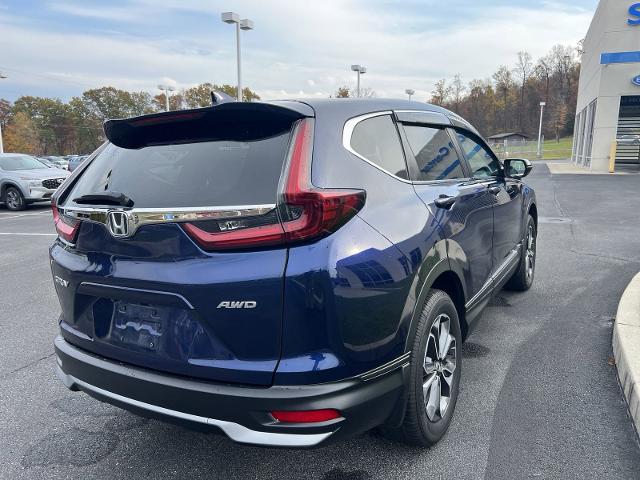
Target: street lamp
1 144
361 71
542 105
409 92
166 89
245 24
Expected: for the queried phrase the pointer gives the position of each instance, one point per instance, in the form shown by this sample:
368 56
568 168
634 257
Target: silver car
25 180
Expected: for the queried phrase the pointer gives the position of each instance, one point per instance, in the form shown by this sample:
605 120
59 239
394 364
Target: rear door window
434 152
217 173
376 139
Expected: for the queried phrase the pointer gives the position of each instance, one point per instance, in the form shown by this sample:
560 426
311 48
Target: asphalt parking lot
539 396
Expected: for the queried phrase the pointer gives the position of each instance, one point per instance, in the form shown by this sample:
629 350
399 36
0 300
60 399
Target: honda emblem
119 224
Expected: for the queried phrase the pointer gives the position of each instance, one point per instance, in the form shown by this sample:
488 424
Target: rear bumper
240 412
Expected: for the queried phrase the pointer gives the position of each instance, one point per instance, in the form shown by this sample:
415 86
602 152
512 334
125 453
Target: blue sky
59 48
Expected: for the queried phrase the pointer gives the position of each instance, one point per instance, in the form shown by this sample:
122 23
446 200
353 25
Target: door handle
445 201
495 190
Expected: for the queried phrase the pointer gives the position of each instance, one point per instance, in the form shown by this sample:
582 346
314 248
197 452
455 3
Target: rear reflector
67 228
306 416
305 212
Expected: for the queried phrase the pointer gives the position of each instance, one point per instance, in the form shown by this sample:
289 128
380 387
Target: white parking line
30 234
24 215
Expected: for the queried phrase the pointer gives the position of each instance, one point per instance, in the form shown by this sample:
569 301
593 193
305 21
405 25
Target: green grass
555 150
552 150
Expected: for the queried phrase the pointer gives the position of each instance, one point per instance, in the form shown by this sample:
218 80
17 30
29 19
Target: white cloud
296 49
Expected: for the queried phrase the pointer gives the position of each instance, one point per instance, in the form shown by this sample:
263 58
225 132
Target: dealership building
608 109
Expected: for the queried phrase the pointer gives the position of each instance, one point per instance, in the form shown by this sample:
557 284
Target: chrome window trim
138 217
347 133
234 431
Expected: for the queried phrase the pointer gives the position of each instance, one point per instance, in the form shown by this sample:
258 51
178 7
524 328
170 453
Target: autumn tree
343 92
21 135
441 92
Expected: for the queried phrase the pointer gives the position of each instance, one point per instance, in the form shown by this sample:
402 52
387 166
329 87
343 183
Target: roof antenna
218 98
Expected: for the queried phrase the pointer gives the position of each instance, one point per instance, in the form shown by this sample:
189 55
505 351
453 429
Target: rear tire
14 200
522 279
434 376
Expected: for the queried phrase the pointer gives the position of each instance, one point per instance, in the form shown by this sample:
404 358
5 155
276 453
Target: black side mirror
517 167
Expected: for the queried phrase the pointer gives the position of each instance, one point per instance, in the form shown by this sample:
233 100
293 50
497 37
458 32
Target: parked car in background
291 273
24 179
47 163
58 161
75 161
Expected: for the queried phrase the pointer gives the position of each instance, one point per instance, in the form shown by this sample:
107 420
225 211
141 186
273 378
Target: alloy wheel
438 368
530 259
13 200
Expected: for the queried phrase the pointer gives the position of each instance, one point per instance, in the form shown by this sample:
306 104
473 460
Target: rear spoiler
234 121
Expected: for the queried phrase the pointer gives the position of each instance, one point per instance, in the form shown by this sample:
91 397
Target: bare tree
523 70
457 92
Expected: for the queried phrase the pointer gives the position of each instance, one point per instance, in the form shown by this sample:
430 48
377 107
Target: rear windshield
206 174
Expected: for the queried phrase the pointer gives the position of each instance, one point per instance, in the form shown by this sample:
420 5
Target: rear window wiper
105 198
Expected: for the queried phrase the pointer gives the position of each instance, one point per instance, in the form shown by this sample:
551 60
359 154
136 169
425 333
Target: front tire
14 200
522 279
434 376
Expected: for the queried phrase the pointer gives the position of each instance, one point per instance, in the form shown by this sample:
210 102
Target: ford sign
636 80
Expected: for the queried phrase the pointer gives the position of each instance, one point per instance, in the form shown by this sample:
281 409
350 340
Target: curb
626 347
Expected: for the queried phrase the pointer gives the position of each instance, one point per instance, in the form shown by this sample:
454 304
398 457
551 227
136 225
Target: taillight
66 227
306 416
305 212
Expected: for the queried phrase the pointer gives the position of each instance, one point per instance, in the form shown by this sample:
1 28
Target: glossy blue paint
325 311
231 345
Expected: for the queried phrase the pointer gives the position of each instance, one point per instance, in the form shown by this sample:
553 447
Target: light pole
361 71
245 24
542 105
1 144
166 89
409 92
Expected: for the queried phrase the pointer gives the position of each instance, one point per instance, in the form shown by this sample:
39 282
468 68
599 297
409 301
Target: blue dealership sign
634 11
636 80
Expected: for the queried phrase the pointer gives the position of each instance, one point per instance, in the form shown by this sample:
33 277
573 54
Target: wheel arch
8 184
533 211
445 275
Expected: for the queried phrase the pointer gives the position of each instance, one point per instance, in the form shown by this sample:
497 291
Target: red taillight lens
305 212
306 416
264 236
67 228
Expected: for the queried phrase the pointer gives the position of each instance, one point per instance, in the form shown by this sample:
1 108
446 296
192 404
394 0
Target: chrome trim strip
141 290
387 367
234 431
138 217
508 263
347 132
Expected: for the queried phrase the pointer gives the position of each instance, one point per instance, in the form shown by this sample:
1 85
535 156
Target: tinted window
483 163
434 152
220 173
377 140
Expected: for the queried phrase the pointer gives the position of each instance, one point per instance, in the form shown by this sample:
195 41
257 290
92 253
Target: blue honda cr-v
290 273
